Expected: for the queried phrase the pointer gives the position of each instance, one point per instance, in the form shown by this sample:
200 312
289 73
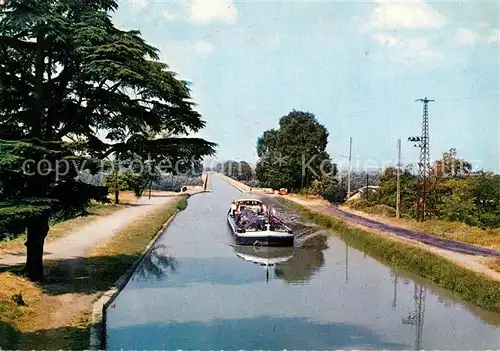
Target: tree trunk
37 232
39 72
117 195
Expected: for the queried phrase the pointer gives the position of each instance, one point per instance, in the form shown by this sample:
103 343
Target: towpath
75 244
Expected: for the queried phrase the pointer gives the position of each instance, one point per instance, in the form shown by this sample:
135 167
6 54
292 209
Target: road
198 291
435 241
75 244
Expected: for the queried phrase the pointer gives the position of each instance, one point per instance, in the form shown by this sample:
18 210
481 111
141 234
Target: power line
424 164
474 97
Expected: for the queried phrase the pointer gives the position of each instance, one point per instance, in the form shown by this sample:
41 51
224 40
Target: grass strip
109 260
470 286
100 269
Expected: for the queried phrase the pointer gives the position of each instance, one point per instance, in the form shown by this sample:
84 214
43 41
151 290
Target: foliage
452 195
469 285
118 181
28 192
241 171
253 183
329 188
450 165
98 67
174 183
358 179
381 210
182 204
294 155
386 193
67 74
359 204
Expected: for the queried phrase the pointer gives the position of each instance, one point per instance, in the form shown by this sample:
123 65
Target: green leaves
294 155
68 73
99 77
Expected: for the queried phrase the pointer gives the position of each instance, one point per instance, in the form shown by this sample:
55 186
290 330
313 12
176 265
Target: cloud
273 41
386 39
419 48
407 50
203 11
204 48
206 11
406 14
495 36
140 4
465 36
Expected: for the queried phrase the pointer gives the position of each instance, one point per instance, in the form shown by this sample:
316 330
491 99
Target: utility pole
349 171
346 262
395 291
424 163
367 190
453 153
398 191
416 316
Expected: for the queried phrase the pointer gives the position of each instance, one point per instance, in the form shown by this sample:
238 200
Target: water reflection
157 265
264 256
444 297
307 260
416 315
209 298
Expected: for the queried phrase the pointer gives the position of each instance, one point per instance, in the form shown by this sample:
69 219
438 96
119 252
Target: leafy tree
486 190
67 73
465 197
386 193
329 188
449 165
458 202
241 170
294 155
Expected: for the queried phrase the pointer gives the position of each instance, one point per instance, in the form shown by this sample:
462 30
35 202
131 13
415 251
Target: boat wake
306 234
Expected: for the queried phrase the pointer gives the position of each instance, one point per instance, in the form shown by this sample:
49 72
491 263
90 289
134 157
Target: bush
175 183
358 204
254 183
381 210
182 204
334 193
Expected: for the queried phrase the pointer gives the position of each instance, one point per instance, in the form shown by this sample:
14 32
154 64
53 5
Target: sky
358 66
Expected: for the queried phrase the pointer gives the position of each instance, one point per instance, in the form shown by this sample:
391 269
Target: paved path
432 240
75 244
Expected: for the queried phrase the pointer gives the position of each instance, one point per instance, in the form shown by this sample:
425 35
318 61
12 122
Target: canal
197 291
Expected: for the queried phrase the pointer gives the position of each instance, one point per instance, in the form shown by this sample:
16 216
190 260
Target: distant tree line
239 170
68 74
129 179
454 193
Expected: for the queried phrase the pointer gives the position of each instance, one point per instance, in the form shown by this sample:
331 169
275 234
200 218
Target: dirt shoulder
75 243
485 237
57 313
477 263
476 258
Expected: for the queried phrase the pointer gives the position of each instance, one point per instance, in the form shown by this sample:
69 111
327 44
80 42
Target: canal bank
196 290
462 273
97 340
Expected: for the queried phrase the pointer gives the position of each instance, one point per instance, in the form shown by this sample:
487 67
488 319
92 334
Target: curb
98 329
231 183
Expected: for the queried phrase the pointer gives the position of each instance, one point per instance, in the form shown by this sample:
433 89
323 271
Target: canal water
198 291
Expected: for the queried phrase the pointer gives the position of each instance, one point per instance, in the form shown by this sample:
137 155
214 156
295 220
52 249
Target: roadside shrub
182 204
175 183
358 204
254 183
381 210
